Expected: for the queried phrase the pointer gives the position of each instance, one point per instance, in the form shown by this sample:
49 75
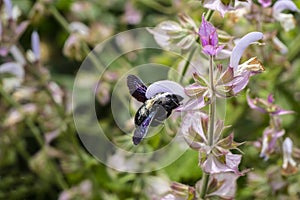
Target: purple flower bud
9 8
271 98
265 3
35 45
132 15
209 38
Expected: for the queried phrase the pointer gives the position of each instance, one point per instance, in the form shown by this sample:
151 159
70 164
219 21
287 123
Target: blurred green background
41 156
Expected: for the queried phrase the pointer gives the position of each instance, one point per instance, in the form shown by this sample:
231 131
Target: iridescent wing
141 130
137 88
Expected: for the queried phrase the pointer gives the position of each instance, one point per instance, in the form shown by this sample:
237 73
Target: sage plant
274 133
203 131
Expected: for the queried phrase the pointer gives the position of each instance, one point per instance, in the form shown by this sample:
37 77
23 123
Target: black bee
154 110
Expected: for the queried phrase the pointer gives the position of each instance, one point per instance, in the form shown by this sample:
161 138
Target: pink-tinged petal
132 15
282 5
21 28
240 83
271 98
287 148
233 161
169 197
270 137
273 140
289 165
253 106
211 50
18 55
13 68
182 191
193 104
50 136
191 128
212 165
223 54
241 46
216 5
165 86
195 89
3 51
35 45
283 49
227 188
265 3
9 8
283 112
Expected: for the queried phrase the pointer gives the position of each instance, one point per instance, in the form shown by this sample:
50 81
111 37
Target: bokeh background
41 155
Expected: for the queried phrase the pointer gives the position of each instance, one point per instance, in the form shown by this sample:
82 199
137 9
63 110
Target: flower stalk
211 127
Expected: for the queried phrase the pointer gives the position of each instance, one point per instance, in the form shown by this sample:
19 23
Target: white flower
289 166
287 21
287 148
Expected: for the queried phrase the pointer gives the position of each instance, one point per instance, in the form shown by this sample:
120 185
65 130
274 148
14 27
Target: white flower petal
241 46
13 68
165 86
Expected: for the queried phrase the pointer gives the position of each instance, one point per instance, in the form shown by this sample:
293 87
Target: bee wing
137 88
160 116
141 130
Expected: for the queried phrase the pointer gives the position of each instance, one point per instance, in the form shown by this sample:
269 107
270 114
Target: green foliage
32 166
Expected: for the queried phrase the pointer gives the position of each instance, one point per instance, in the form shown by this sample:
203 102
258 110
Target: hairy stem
211 127
187 63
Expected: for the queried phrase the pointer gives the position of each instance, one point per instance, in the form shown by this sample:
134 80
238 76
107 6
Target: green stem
208 15
187 63
212 107
64 23
211 126
294 49
36 132
155 5
27 120
61 20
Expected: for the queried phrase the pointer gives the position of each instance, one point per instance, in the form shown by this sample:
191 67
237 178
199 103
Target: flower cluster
228 82
274 132
10 29
203 132
172 35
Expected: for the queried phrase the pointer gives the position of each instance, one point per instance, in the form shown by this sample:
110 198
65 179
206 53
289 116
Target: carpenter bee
153 111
